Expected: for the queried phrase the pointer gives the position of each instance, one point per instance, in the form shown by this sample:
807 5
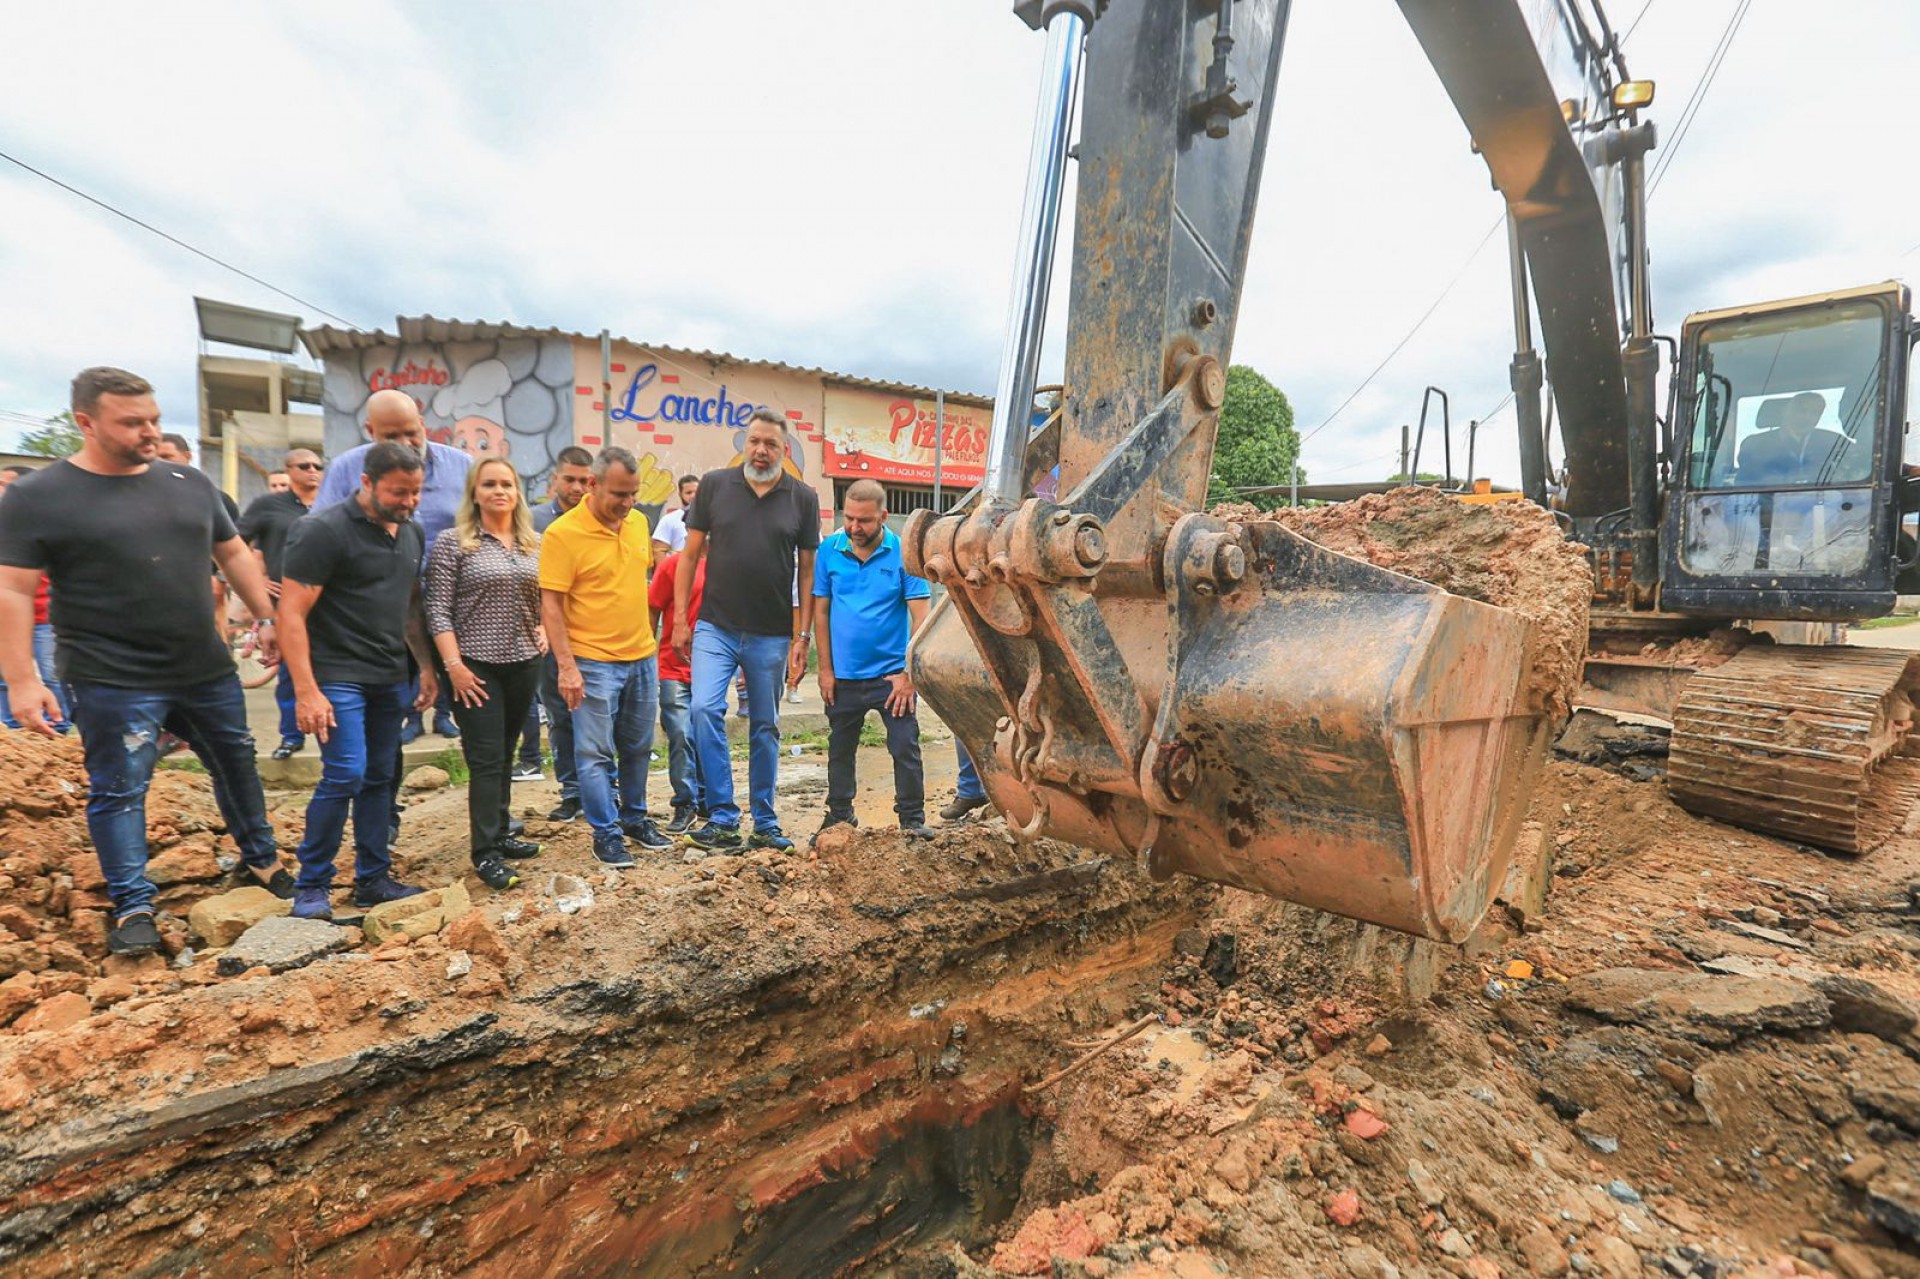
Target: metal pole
939 443
1293 493
606 387
1525 375
1641 364
1006 479
1406 476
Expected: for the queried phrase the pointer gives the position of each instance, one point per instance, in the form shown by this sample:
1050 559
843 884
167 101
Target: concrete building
528 393
248 418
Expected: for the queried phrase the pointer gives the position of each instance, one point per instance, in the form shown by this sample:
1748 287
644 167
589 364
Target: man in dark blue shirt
350 603
866 607
572 473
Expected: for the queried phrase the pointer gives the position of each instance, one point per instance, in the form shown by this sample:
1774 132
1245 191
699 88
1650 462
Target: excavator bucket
1328 732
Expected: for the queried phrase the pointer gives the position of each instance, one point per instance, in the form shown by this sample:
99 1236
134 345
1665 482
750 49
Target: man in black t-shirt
749 523
350 603
265 525
125 541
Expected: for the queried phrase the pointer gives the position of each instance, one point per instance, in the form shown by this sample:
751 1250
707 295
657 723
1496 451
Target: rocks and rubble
710 1069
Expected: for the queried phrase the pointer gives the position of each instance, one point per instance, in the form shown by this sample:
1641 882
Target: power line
174 239
1691 112
1635 24
1417 325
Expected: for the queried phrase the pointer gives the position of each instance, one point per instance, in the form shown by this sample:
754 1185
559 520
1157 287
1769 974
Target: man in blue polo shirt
866 607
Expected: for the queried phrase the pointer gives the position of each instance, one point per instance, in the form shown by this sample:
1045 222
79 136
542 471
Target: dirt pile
1701 1062
53 902
1509 554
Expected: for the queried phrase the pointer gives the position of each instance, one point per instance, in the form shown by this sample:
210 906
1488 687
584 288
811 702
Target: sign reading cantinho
889 436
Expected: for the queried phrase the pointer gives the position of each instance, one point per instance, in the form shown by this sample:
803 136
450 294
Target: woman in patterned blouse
483 608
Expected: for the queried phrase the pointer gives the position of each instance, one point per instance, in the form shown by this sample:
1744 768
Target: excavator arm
1137 676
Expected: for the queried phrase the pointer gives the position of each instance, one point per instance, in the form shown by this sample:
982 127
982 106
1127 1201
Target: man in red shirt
676 693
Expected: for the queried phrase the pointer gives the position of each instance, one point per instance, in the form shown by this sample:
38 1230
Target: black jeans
559 728
852 699
487 736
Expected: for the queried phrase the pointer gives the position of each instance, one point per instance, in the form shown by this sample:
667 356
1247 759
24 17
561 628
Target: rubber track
1811 744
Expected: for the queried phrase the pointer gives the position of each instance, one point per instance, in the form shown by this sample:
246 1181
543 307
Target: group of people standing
404 568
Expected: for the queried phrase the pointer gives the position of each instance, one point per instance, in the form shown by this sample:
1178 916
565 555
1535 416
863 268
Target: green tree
58 438
1419 477
1256 443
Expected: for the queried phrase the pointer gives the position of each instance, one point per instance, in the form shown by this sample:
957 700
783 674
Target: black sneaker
526 772
682 821
961 806
379 890
515 827
715 836
612 851
134 935
829 824
566 810
770 839
517 849
917 830
280 884
495 874
287 749
646 834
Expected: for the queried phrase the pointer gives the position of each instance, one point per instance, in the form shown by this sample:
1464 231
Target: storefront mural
895 437
508 397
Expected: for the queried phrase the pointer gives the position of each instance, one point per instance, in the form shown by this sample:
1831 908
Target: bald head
393 417
304 468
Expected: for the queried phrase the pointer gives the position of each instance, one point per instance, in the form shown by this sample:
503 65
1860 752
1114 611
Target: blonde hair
467 524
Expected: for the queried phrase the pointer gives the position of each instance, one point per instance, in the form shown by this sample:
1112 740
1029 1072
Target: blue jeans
968 785
357 763
683 762
613 731
559 729
119 729
283 697
717 655
43 662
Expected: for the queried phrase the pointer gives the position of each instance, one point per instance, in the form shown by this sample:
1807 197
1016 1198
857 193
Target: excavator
1229 700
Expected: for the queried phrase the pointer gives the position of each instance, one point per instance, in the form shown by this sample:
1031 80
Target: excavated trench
741 1066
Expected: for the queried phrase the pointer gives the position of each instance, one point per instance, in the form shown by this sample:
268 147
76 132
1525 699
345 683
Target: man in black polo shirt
749 523
265 525
350 608
125 541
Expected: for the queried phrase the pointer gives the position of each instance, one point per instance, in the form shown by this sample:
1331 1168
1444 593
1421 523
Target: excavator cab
1783 498
1783 503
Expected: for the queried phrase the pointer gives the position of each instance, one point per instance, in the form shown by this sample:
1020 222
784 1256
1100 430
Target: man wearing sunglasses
265 525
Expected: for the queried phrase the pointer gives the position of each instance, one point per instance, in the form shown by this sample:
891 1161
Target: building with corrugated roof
528 393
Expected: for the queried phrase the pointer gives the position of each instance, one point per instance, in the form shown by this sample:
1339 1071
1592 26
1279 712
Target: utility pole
1405 476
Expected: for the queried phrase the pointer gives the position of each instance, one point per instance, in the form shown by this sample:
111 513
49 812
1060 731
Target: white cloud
839 185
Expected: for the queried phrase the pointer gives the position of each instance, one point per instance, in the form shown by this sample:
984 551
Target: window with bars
904 499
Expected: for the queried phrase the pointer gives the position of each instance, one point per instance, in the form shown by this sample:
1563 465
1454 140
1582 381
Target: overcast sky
838 184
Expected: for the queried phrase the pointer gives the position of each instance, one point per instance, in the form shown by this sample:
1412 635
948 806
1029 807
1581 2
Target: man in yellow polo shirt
593 598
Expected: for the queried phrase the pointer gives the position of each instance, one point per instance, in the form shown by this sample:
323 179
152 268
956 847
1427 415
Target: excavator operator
1797 451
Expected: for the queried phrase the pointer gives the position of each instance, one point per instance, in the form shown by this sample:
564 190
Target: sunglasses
308 466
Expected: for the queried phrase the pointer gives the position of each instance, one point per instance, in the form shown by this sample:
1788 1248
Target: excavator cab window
1784 443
